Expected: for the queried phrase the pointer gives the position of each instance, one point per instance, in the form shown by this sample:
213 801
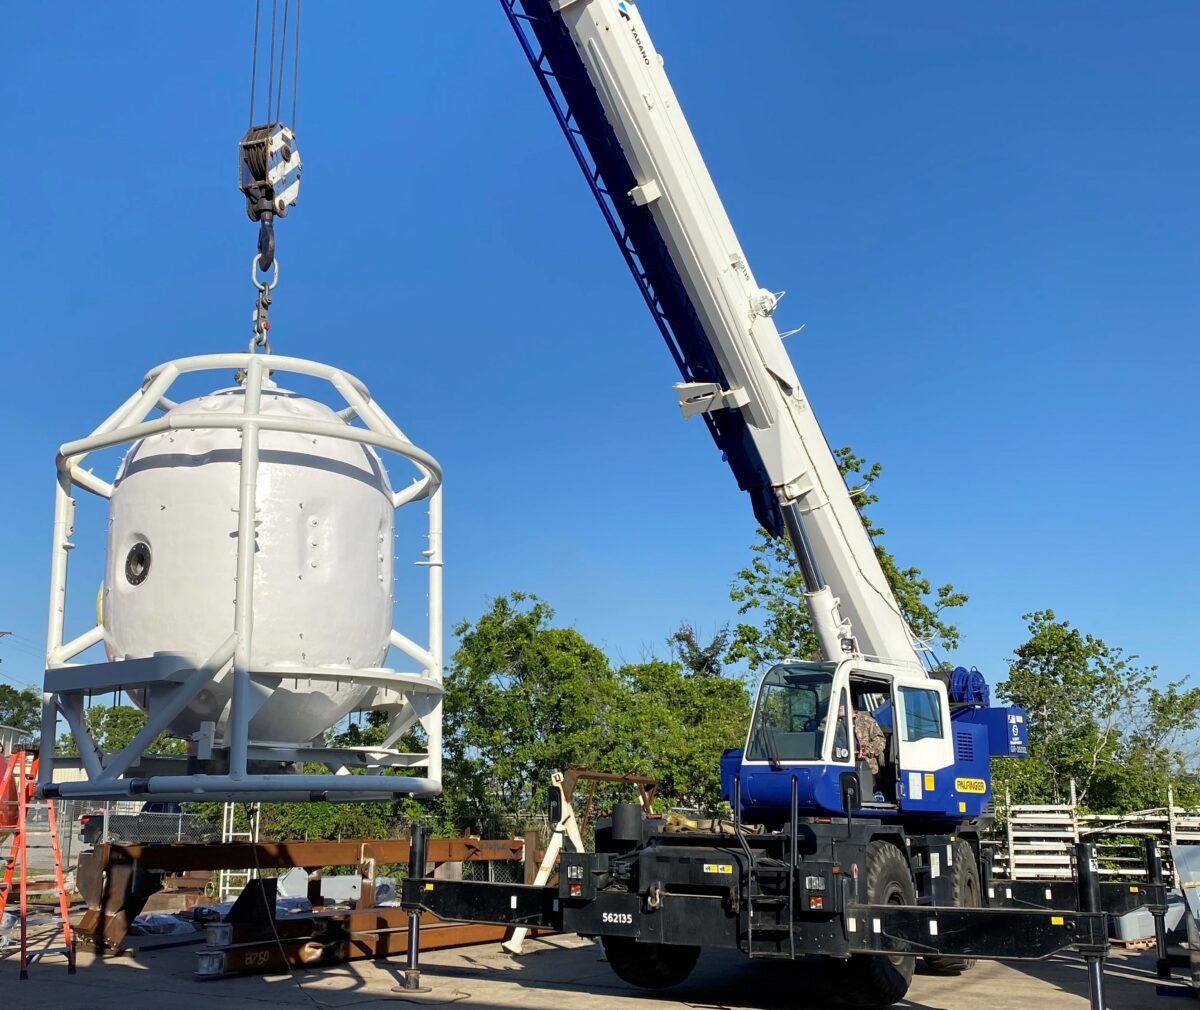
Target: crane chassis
867 896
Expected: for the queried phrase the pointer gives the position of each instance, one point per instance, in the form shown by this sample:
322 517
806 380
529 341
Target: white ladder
231 882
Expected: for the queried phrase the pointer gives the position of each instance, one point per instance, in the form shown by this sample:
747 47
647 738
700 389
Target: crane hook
266 241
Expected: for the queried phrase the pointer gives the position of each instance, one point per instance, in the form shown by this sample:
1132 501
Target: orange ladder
20 770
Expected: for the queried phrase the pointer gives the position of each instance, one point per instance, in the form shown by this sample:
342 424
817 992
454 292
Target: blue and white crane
610 92
866 773
867 777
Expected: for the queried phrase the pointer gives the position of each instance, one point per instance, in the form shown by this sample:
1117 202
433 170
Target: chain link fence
83 824
40 844
133 822
495 871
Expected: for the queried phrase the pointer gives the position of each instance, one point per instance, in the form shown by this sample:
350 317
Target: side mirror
851 791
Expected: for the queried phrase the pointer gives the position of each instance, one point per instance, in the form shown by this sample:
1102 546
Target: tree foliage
1096 717
524 699
114 726
701 660
20 709
676 724
770 590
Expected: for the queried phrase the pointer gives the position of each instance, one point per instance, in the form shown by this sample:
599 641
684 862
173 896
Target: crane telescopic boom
624 121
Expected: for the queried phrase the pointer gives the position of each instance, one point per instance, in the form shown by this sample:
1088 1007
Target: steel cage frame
67 684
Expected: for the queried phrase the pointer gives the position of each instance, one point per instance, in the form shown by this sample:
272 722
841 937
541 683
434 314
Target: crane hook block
269 170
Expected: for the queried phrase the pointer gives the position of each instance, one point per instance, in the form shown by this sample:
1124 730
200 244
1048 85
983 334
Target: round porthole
137 563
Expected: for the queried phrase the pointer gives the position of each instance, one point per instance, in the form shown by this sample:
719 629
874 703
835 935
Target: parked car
154 822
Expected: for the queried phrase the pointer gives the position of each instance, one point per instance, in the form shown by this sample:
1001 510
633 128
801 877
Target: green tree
702 660
1095 716
370 730
675 723
522 699
20 709
772 589
114 726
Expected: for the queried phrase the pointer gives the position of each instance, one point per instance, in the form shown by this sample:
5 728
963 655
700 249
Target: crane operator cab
891 726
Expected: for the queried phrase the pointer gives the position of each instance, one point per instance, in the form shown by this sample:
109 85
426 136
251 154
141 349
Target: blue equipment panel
1007 728
964 789
767 792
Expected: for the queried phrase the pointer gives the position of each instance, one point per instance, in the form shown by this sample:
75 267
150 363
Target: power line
13 640
28 648
20 683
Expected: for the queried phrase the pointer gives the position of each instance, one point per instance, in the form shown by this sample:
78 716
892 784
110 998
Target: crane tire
966 895
872 979
649 965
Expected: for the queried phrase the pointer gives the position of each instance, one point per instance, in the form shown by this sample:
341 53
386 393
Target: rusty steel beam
310 855
116 880
332 938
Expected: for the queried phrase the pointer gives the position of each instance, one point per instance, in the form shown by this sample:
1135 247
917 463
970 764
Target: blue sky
984 214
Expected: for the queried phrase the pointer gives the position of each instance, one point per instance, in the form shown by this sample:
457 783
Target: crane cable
268 163
275 94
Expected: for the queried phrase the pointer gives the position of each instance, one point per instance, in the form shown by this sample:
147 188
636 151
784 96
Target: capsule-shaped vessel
322 550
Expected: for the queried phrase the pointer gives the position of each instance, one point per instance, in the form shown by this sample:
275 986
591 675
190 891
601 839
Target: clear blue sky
985 214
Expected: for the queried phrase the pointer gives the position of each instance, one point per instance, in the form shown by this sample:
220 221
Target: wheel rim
896 897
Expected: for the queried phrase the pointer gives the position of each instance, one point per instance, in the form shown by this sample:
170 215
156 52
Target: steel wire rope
254 60
271 59
282 59
295 65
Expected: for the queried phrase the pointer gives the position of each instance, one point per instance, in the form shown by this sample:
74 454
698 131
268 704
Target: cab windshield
791 715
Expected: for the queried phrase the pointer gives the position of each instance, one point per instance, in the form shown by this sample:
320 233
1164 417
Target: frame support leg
1088 880
416 870
1154 876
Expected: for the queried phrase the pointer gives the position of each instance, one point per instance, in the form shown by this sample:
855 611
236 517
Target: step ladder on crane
18 779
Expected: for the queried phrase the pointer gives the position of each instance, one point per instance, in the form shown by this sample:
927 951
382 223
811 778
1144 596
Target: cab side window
922 714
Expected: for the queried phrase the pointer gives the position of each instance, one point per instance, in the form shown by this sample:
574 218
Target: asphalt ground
560 973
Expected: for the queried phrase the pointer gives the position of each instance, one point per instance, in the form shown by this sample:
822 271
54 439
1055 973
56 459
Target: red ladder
21 770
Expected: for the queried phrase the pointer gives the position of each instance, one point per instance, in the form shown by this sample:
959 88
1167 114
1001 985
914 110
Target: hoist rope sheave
269 164
269 168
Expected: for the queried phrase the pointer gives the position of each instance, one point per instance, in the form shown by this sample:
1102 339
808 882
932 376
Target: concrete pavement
562 973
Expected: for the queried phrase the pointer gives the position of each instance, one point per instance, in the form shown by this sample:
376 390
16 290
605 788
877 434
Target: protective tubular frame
175 680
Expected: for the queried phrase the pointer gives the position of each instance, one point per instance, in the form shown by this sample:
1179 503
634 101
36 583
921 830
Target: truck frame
865 895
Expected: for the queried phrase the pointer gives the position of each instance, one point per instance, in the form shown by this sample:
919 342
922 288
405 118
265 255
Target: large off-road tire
967 890
872 979
649 965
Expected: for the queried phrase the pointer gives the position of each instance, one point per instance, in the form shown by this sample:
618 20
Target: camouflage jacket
872 744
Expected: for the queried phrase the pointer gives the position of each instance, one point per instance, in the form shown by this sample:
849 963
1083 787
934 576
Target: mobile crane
869 870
